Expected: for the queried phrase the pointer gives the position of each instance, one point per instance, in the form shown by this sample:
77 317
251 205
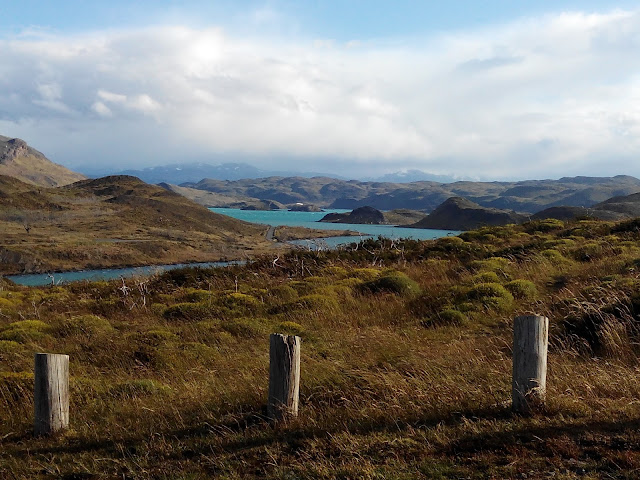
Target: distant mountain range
525 197
177 174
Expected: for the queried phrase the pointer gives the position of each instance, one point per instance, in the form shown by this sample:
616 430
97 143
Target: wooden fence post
530 343
284 376
51 393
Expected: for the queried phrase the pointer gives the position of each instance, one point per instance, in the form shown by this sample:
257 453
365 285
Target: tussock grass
403 378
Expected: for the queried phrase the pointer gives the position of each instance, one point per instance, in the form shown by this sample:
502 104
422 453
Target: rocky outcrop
304 208
458 213
362 215
19 160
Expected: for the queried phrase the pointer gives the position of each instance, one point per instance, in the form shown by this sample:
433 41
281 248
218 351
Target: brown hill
112 221
458 213
362 215
19 160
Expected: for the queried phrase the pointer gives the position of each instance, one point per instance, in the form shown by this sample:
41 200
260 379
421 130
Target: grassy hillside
112 221
406 363
19 160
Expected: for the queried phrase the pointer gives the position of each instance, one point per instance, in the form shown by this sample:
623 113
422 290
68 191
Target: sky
482 90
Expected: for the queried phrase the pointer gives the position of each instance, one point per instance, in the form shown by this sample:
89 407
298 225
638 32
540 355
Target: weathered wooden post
530 343
51 393
284 376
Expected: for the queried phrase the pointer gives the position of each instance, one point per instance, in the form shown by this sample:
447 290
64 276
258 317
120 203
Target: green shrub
155 337
25 331
544 226
238 304
365 274
290 328
491 295
484 290
392 282
197 352
90 325
493 264
486 277
245 327
588 252
448 316
195 295
553 255
523 289
283 293
9 348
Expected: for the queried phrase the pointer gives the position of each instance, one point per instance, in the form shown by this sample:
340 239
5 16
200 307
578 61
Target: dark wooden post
284 376
51 393
530 343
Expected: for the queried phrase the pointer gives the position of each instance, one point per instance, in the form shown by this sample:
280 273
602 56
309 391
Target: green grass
402 378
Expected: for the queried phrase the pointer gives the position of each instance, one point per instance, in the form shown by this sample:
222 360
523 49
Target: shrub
155 337
448 316
392 282
491 295
588 252
493 264
524 289
89 325
24 331
553 255
544 226
484 290
245 327
240 303
486 277
195 295
290 328
284 293
365 274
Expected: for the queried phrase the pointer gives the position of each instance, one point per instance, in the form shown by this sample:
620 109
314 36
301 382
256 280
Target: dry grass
174 386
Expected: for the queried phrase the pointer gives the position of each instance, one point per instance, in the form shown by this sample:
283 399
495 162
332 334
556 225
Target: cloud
544 96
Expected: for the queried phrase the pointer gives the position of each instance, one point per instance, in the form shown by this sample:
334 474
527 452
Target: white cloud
539 97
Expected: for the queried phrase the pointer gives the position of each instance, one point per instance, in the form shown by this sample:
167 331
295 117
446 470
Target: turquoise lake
272 217
310 220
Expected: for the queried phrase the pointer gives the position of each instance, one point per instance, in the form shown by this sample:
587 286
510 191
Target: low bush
522 289
447 317
392 282
25 331
89 325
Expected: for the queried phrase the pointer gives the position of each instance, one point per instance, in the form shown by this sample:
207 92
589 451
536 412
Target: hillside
217 200
525 197
406 363
19 160
370 215
458 213
112 221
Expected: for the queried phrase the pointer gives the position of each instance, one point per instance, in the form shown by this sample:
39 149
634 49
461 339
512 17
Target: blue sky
502 89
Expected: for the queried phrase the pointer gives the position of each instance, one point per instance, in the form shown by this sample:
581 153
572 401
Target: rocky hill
458 213
19 160
112 221
362 215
